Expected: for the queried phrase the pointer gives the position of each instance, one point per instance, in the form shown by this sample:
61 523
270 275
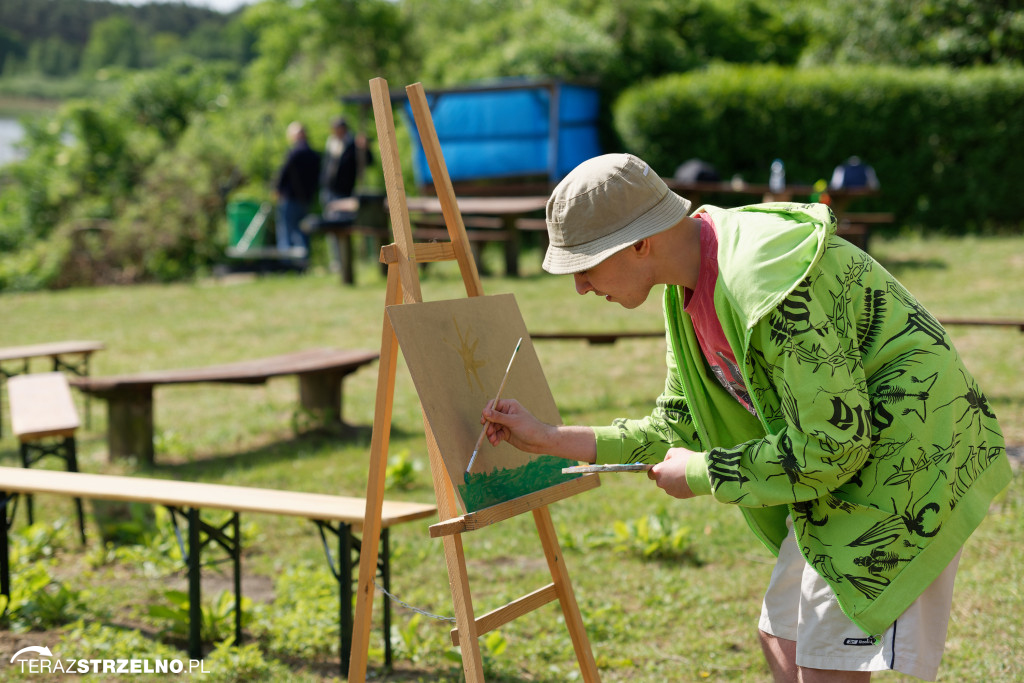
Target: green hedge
948 146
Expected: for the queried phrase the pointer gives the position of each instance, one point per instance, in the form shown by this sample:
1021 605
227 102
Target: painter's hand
670 473
508 420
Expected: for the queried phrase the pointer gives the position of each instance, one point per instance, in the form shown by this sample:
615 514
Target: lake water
10 133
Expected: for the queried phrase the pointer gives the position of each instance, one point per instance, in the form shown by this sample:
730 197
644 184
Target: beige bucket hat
604 205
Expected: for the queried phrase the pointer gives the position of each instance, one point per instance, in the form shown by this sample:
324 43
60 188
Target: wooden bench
595 337
339 515
1019 324
130 397
69 356
44 419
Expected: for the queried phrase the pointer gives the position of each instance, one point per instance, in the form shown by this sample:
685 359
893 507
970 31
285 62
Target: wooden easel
403 286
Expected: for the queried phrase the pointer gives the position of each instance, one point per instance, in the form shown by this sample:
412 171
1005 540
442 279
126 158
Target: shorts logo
859 641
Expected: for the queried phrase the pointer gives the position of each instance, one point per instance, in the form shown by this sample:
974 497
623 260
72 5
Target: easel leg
455 560
465 621
386 371
566 597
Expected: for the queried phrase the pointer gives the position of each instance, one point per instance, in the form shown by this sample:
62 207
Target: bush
948 146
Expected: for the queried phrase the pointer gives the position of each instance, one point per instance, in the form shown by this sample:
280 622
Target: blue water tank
510 130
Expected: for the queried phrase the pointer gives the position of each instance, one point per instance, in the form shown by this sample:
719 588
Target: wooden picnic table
839 199
487 219
342 219
69 356
130 397
507 211
855 228
503 217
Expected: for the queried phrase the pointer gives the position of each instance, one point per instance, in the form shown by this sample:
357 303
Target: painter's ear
642 247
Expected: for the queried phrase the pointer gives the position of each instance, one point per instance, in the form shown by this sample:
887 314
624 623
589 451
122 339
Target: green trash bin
241 214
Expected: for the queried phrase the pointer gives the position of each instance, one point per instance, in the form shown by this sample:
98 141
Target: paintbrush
483 432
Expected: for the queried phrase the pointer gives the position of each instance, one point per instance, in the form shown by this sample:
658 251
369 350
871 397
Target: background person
853 173
345 158
295 188
807 387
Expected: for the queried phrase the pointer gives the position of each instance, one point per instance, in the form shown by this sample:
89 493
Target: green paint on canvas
490 488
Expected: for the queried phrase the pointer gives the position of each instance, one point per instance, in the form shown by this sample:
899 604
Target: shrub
948 146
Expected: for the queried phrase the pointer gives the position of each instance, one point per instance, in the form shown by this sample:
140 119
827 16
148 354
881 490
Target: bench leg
236 560
232 544
26 461
81 369
195 605
34 451
478 255
343 575
5 558
7 374
346 573
345 596
511 247
346 258
72 458
320 395
130 423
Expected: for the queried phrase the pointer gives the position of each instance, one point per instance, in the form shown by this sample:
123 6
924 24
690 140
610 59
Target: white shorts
800 606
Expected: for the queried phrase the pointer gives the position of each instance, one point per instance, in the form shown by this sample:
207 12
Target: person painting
807 387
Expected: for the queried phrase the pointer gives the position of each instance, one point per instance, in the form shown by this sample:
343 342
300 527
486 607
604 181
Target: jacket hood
786 242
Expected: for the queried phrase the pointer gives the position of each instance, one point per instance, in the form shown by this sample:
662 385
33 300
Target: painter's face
619 279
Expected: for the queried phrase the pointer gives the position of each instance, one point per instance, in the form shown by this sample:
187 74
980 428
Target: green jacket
869 431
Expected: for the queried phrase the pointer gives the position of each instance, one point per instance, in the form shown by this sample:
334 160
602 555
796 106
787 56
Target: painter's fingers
496 433
508 420
496 422
670 473
501 411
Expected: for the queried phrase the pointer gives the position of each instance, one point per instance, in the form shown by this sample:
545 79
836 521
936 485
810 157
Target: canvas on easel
457 351
403 291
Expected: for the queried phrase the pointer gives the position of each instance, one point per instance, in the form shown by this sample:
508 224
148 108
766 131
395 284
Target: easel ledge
517 506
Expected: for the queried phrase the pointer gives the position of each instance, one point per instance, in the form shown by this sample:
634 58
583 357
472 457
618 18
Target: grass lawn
688 612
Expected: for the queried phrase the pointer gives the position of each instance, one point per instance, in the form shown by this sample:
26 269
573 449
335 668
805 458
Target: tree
918 32
52 57
114 41
11 49
540 41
